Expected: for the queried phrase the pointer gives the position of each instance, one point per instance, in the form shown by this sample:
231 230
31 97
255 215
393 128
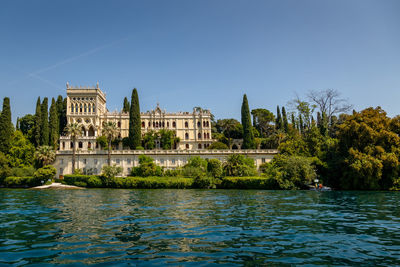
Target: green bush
205 182
45 173
111 171
249 183
152 182
214 168
83 180
239 165
173 173
13 181
22 171
146 168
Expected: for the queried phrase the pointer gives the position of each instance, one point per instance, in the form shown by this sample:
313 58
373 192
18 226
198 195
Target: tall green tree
62 114
21 151
134 121
54 125
110 131
127 105
262 119
44 130
6 126
38 123
285 120
74 130
278 122
248 135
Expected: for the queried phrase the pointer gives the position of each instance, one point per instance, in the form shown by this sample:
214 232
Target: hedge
248 183
27 181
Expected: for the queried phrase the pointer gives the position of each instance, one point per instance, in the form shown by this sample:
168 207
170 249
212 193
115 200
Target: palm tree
110 131
45 154
74 130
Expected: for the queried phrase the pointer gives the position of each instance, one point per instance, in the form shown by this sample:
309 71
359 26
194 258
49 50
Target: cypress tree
127 105
248 135
135 133
62 114
278 123
6 126
53 125
285 120
38 123
301 125
44 129
293 122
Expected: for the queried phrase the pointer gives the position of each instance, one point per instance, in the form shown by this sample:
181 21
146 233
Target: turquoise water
198 227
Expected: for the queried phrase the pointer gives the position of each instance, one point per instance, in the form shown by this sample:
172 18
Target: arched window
119 124
199 135
186 124
85 109
187 146
93 109
208 135
89 145
76 108
167 124
204 124
80 108
149 124
198 124
199 146
156 124
208 124
186 136
89 108
163 124
63 145
174 124
80 145
205 136
72 108
97 145
143 124
72 144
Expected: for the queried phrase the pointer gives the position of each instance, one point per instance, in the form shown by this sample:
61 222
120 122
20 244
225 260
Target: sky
190 53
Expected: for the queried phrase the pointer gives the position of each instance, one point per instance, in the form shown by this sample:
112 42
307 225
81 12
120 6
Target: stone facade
91 162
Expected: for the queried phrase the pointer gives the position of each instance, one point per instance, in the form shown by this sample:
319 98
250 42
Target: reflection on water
232 227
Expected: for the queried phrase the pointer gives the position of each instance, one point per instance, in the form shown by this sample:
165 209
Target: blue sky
202 53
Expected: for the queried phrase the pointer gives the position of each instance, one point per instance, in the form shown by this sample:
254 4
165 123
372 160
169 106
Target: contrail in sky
34 74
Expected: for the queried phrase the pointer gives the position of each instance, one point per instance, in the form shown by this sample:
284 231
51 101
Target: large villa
87 106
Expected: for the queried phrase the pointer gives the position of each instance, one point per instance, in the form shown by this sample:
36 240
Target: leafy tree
45 154
44 127
6 126
167 139
26 124
110 131
4 168
149 139
218 145
74 130
196 167
134 121
38 123
53 125
248 136
21 151
262 119
231 128
127 105
304 111
147 167
102 141
239 165
111 171
45 173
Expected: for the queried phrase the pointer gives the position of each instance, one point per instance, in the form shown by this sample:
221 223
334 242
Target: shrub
83 180
146 168
139 148
111 171
205 182
22 171
151 182
239 165
173 173
214 167
13 181
78 171
102 141
196 167
45 173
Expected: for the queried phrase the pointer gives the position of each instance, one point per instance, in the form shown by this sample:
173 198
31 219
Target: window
80 145
97 145
85 108
167 124
208 135
208 124
163 124
72 108
95 161
162 161
61 171
89 145
63 145
119 124
174 124
76 107
205 136
199 135
89 107
94 108
143 124
129 170
187 146
199 146
198 124
156 124
263 160
186 124
173 161
61 161
84 161
71 144
149 124
186 136
128 161
117 161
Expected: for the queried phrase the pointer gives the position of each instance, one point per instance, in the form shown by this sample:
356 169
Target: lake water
198 227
